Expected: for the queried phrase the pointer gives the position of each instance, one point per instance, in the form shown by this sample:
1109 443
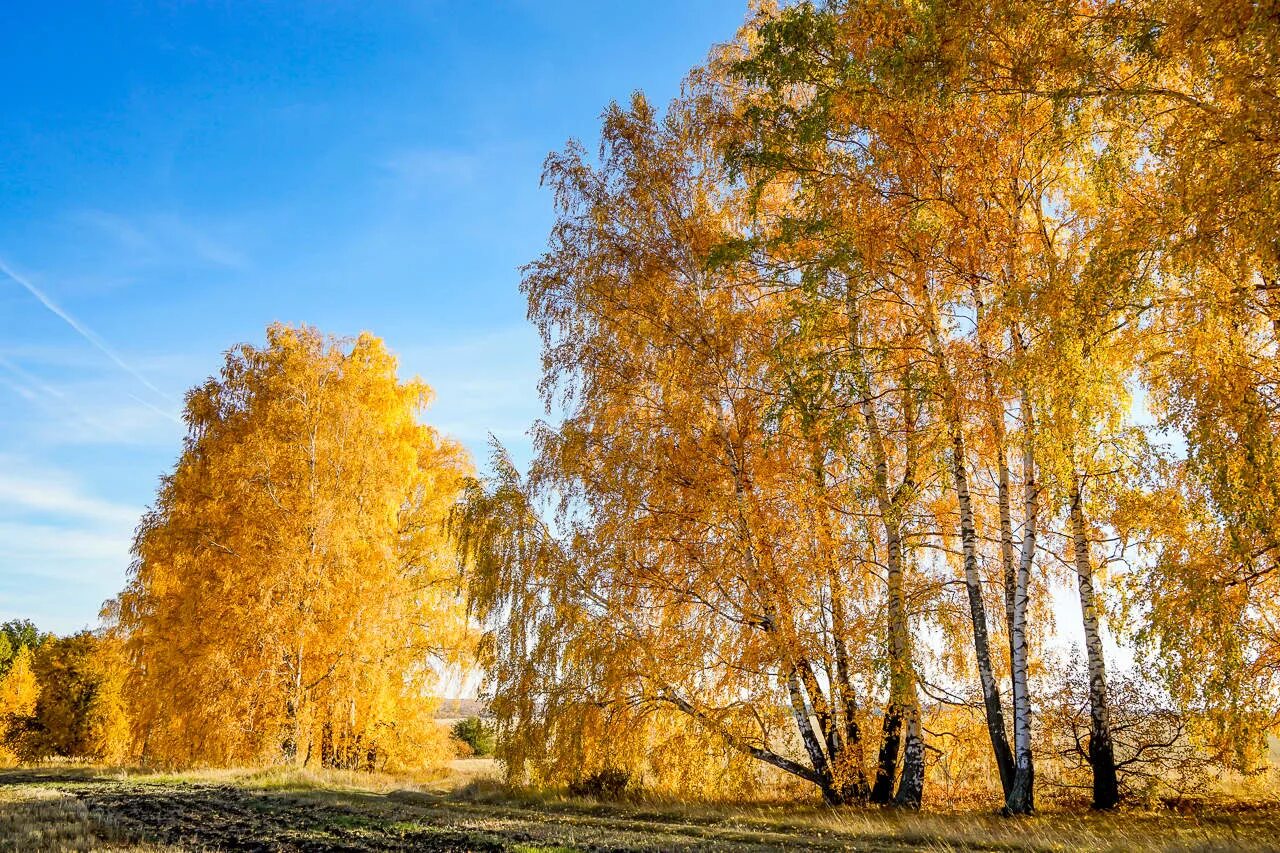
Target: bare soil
233 817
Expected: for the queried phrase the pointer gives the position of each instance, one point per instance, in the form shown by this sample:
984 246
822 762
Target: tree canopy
294 596
859 346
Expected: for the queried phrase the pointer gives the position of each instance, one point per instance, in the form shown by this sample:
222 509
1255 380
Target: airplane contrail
159 411
64 403
84 331
30 378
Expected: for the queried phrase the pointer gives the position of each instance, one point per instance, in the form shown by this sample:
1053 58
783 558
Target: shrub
607 784
476 734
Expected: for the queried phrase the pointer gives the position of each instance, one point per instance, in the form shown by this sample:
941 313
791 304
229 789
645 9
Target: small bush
607 784
476 734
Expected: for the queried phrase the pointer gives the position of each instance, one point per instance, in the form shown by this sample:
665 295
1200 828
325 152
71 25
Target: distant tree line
60 696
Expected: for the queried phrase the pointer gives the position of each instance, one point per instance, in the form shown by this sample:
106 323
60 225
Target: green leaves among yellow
294 597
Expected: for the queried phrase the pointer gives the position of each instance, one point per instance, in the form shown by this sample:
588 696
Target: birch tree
294 597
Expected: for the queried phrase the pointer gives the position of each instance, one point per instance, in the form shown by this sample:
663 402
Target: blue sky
175 176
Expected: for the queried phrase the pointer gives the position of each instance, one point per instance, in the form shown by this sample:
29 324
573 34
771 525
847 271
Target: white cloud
29 378
48 493
199 242
52 551
18 388
121 229
63 550
67 399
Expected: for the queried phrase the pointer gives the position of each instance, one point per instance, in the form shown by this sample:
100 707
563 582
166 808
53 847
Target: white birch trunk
1101 751
1021 798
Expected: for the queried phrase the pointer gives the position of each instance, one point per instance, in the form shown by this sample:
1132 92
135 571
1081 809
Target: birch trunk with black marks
842 779
850 766
809 738
887 757
902 716
1102 761
1021 797
845 774
824 746
911 788
1016 565
904 705
758 752
978 612
829 747
969 546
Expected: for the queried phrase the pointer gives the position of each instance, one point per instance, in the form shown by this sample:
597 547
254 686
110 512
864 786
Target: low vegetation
86 809
475 734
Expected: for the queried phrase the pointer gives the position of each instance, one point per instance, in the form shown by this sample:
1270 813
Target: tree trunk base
887 767
911 787
1106 785
1021 798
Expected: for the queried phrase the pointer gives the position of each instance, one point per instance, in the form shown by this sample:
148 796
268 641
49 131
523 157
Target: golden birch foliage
294 597
674 597
1201 85
107 724
861 318
938 189
19 691
1207 617
71 703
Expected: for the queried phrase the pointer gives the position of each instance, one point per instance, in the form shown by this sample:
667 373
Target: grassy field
88 809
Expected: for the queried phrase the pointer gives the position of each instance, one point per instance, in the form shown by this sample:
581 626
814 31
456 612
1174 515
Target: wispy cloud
120 229
80 407
63 550
165 238
84 332
200 243
418 169
30 378
62 500
159 411
80 555
35 390
21 390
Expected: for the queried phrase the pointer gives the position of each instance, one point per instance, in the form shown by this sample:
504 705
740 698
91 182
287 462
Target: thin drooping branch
742 744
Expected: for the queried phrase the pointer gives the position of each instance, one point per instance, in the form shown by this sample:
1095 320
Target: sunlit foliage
19 691
64 700
847 344
294 598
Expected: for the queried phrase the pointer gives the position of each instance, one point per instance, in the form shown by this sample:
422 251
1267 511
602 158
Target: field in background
64 808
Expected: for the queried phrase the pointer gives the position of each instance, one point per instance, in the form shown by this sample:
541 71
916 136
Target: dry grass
34 819
86 809
1203 826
